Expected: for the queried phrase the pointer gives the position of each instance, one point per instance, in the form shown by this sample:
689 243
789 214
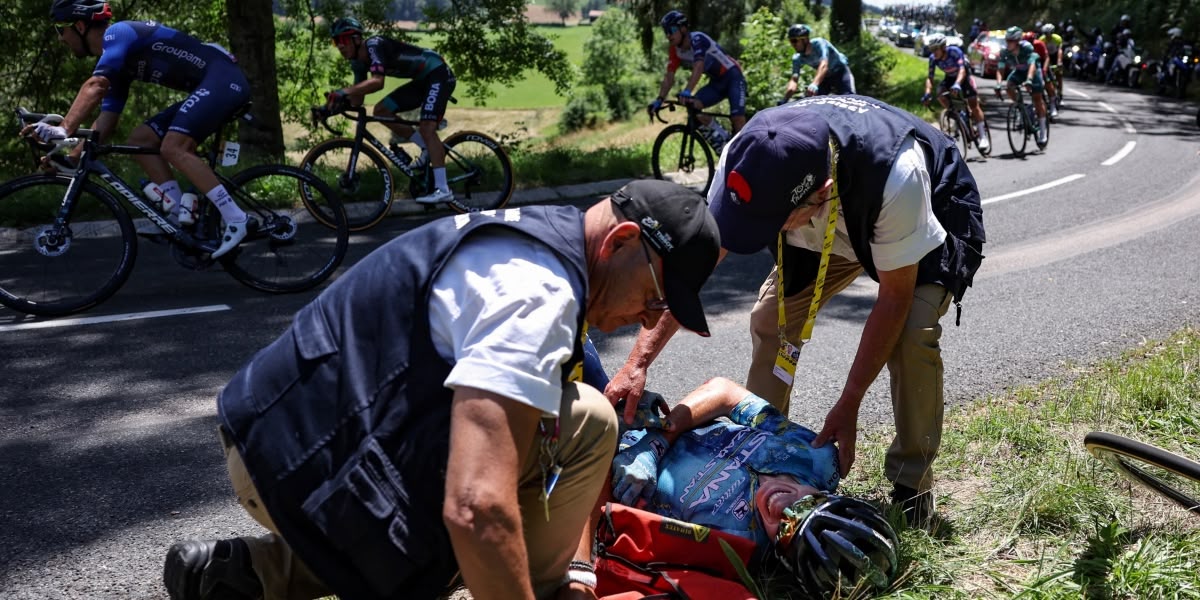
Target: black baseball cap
778 159
676 223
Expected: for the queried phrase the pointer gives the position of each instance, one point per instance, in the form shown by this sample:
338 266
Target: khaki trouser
587 436
915 366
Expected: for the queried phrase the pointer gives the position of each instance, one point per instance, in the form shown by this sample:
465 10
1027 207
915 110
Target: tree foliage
614 74
845 21
564 8
766 58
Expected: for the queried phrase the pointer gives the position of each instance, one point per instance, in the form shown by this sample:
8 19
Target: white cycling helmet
1048 28
935 40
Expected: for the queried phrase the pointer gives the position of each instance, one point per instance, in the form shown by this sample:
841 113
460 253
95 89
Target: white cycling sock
439 179
230 212
979 129
417 139
172 191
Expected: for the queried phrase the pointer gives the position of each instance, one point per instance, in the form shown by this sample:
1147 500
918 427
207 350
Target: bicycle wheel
682 156
286 249
1167 474
365 190
50 271
987 130
960 132
1017 135
478 172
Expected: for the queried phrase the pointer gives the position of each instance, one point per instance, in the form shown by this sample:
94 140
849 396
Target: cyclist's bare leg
180 151
437 152
944 101
404 132
976 111
1039 104
738 122
154 165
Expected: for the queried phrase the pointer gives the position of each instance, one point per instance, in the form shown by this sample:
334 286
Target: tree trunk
252 40
845 21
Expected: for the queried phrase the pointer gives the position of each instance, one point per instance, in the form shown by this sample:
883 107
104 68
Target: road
107 445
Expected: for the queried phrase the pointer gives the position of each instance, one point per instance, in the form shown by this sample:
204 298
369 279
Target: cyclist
377 57
958 81
832 68
725 78
1043 55
1054 60
1025 70
131 51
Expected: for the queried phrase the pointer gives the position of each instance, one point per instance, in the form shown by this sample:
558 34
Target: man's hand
812 89
926 98
335 99
650 412
956 89
685 95
628 384
654 107
44 131
635 469
841 425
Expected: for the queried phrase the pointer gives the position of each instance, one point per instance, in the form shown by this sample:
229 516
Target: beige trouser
915 366
587 437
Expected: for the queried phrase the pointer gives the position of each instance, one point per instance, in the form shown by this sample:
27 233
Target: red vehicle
984 53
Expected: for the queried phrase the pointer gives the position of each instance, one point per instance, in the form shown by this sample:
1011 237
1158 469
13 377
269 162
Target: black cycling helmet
799 30
344 26
673 19
835 542
69 11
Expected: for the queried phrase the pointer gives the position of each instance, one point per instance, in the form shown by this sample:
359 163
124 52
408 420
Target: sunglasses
343 40
659 303
59 28
670 30
796 39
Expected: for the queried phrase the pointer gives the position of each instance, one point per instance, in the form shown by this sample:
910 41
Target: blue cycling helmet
799 30
344 26
673 19
69 11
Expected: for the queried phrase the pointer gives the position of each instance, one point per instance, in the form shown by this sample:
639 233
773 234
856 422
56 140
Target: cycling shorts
731 85
430 94
843 81
1018 76
968 86
223 91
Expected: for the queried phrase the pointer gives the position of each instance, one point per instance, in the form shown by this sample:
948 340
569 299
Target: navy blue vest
869 133
344 424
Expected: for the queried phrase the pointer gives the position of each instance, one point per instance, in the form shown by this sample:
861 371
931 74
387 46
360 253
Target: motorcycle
1176 72
1075 60
1103 61
1126 67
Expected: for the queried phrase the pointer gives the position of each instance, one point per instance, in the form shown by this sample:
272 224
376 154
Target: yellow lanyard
826 249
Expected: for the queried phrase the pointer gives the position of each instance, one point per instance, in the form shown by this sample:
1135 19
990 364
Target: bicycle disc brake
281 228
53 241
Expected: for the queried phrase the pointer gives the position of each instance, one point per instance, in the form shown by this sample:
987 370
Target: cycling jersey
951 63
1024 56
717 62
394 58
150 51
820 49
1043 54
710 474
1053 43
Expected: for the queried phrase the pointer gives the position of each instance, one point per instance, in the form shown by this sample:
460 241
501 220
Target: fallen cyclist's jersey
951 63
150 51
393 58
710 474
717 62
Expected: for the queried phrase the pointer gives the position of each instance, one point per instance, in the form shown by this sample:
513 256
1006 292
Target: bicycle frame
362 134
693 114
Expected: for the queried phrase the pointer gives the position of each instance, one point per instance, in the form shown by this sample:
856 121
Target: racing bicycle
1023 124
1165 473
477 170
681 151
956 122
68 243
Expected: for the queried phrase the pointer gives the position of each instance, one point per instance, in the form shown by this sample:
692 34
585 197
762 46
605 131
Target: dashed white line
1105 106
114 318
1122 153
1079 93
1035 189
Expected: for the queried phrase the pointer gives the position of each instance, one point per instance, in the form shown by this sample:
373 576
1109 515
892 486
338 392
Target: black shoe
211 570
917 507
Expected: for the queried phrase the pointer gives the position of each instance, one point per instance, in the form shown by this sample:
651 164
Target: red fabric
642 554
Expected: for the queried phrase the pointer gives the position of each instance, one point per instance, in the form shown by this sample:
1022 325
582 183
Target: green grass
906 83
1027 513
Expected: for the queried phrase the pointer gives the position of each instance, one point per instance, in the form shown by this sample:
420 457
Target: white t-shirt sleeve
502 311
906 229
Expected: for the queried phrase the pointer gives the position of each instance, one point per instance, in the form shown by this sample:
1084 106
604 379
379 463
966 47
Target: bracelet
582 577
582 565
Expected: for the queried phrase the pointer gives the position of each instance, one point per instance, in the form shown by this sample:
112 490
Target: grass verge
1027 513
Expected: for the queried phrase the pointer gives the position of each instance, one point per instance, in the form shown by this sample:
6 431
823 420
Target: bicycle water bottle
187 208
155 195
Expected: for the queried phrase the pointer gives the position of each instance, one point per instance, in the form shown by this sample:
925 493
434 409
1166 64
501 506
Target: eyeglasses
343 40
659 303
670 30
59 28
796 39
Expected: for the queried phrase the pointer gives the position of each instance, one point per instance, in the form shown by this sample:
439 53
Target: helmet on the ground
1048 28
1013 34
1174 32
69 11
345 25
799 30
673 19
831 542
935 40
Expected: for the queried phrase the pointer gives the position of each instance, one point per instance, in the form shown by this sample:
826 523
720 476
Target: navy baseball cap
778 159
676 223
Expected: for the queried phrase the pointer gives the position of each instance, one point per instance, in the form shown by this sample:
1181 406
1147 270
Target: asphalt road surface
107 429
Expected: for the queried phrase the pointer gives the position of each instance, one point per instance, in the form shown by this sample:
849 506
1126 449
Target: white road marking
1122 153
1078 93
1035 189
114 318
1128 126
1107 107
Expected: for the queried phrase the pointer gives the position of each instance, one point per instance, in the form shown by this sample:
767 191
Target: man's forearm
697 71
651 341
822 69
86 101
667 82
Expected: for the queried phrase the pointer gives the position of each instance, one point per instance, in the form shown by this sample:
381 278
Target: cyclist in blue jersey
1026 70
958 81
131 51
832 68
725 78
373 60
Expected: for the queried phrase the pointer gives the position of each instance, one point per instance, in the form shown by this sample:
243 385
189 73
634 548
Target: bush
586 107
766 59
870 61
613 63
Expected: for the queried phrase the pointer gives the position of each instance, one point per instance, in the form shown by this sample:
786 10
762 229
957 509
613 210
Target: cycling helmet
1037 25
1048 28
1029 36
1070 30
799 30
1125 20
1013 34
935 40
977 21
1174 32
69 11
833 542
345 25
673 19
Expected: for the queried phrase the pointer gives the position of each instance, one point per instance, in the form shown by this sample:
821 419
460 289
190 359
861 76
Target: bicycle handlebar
25 117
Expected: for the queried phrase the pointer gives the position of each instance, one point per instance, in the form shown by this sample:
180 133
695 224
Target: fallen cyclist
754 474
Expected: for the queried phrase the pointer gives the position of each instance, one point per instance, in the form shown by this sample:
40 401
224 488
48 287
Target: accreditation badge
785 362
